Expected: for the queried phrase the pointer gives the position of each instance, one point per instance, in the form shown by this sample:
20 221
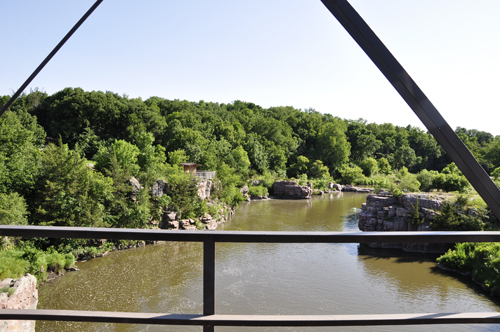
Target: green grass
7 289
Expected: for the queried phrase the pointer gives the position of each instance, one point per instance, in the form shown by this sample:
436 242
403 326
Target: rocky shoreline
19 293
384 213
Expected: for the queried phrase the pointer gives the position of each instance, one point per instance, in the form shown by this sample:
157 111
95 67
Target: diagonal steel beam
47 59
417 100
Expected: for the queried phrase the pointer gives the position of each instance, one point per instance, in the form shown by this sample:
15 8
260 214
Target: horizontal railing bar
251 320
247 236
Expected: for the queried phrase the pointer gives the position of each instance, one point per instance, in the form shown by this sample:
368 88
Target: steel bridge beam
417 100
47 59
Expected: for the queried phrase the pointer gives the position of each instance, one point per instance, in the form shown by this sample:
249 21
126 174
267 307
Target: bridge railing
209 319
204 175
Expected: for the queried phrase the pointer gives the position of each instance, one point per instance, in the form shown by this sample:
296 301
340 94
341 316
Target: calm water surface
268 278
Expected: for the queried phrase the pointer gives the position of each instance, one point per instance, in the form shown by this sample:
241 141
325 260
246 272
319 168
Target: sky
269 52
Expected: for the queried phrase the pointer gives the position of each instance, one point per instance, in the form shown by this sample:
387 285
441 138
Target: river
268 278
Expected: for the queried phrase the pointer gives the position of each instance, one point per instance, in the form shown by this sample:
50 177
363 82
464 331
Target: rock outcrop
290 189
23 295
351 188
384 213
172 221
204 189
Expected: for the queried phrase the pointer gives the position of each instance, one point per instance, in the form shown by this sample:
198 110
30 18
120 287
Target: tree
241 161
21 141
369 166
71 194
125 153
349 175
384 166
300 167
318 171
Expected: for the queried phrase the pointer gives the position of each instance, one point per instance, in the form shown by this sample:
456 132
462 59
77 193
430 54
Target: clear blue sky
272 53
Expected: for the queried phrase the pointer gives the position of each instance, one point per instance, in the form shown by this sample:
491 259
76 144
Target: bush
458 217
426 179
258 191
350 175
481 259
369 166
12 265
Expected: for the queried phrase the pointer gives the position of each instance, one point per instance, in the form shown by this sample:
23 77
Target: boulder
25 296
290 189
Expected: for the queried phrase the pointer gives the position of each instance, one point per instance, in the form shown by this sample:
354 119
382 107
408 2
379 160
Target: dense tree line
48 141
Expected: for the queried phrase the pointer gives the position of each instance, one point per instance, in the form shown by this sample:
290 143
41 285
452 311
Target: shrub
350 175
12 265
369 166
458 217
414 216
481 259
426 179
258 191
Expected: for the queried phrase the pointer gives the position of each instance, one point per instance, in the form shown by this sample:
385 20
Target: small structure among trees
191 168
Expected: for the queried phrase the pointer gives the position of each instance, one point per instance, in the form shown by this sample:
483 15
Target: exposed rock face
384 213
244 192
159 189
290 189
351 188
204 188
136 186
24 297
171 220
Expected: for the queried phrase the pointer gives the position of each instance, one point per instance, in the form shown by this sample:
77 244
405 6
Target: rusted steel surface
251 320
247 236
417 100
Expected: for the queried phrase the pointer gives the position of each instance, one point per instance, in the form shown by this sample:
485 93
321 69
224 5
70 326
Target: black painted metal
209 238
208 281
251 320
47 59
417 100
247 236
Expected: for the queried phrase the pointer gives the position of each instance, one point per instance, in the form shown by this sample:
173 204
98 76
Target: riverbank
273 278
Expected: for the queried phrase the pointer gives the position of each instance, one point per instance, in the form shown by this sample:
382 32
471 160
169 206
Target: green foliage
426 179
226 185
414 216
258 191
409 183
496 174
350 175
321 184
240 160
318 170
384 166
458 216
481 259
21 140
12 264
451 179
7 289
71 193
184 194
302 179
369 166
396 192
12 209
123 153
300 167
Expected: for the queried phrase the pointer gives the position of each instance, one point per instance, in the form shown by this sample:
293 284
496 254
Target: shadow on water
396 255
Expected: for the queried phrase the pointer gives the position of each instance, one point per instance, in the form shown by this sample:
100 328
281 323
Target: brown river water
268 278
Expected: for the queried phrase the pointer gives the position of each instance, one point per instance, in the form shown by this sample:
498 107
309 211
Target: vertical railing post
208 281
